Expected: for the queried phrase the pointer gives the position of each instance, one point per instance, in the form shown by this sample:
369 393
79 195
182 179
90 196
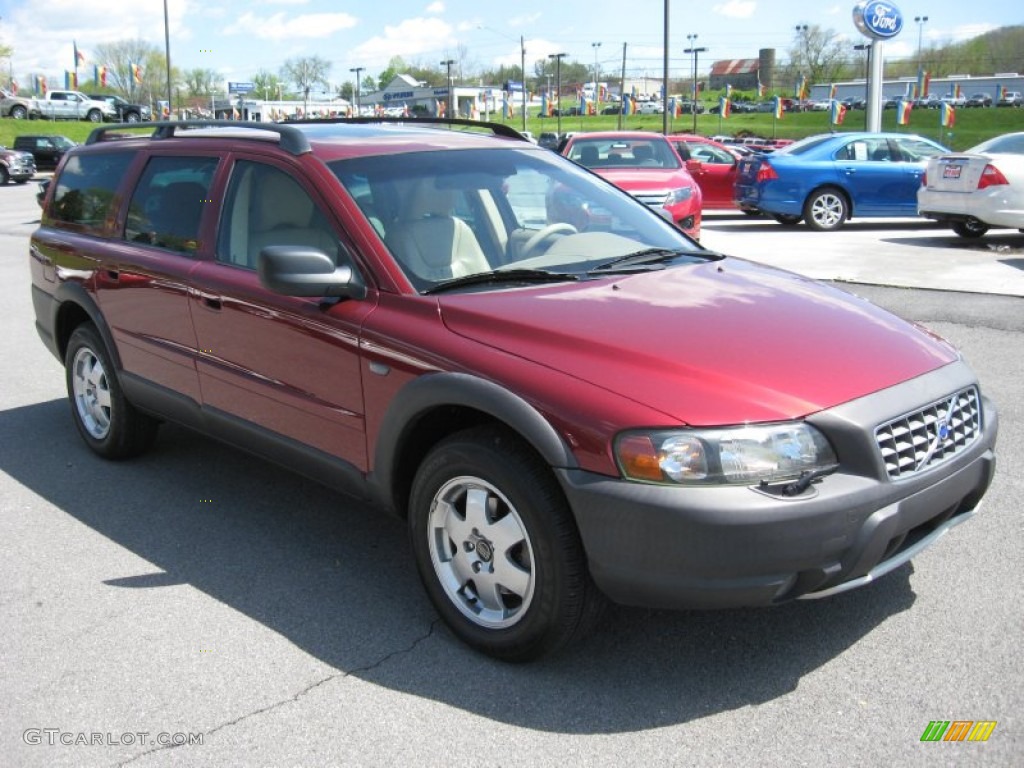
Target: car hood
716 343
645 179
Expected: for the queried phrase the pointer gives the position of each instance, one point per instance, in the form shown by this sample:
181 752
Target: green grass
74 129
972 125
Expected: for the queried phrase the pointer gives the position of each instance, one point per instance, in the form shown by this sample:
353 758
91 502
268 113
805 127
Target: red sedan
644 165
712 165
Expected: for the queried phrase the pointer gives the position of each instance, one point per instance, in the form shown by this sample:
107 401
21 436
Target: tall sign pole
879 20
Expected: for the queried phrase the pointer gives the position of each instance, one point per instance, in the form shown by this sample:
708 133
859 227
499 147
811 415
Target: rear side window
167 205
86 187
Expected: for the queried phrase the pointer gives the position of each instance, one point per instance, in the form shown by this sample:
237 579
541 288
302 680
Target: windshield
623 153
448 214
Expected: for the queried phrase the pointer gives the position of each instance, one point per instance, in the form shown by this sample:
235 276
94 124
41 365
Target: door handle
212 302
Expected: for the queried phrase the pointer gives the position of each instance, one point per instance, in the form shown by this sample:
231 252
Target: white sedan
977 189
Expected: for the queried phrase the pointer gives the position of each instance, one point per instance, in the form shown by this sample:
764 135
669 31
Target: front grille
930 435
653 199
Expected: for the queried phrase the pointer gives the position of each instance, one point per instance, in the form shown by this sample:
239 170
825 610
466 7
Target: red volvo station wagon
568 399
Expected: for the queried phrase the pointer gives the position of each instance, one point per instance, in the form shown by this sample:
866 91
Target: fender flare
77 294
435 390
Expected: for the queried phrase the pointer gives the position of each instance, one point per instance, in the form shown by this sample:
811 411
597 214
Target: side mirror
297 270
694 166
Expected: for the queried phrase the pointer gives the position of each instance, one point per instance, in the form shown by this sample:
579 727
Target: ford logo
877 19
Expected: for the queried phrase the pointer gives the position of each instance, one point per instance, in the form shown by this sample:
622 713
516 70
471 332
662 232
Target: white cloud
736 9
967 31
437 7
280 27
409 38
522 21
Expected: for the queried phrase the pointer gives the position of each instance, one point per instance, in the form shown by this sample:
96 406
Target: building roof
735 67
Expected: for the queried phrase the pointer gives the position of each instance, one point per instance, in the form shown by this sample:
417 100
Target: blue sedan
824 180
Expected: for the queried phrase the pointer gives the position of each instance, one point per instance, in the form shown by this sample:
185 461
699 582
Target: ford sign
878 20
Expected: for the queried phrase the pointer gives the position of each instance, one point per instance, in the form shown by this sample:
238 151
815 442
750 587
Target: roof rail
497 129
291 139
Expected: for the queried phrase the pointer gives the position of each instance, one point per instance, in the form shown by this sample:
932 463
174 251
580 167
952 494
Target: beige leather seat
285 215
430 241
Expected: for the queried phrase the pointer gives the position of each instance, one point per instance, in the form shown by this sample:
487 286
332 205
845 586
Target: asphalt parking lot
196 595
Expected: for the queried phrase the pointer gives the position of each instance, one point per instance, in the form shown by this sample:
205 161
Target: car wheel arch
73 306
431 407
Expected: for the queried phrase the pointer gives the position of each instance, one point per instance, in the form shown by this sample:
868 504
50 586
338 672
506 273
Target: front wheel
497 548
826 210
970 228
94 116
132 117
108 423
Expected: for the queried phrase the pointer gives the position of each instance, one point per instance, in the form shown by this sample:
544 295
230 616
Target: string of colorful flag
100 74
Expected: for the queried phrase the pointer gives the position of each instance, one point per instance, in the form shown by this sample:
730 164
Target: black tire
109 424
4 176
18 112
826 210
786 220
971 228
94 116
482 502
751 211
20 181
132 117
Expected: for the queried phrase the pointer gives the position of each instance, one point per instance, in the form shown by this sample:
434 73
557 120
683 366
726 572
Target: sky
236 38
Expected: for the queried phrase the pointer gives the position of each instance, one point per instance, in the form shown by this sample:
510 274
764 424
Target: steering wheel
546 233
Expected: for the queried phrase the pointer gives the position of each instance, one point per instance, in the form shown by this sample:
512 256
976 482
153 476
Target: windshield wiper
649 256
503 276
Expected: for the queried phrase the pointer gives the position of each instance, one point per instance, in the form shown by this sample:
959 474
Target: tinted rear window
86 187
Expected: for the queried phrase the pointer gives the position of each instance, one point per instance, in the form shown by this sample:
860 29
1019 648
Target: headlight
737 455
679 195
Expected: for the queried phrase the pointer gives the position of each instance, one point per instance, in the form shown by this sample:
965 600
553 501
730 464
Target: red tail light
991 177
766 173
924 179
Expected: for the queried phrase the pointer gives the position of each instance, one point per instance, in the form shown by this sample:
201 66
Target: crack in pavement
295 697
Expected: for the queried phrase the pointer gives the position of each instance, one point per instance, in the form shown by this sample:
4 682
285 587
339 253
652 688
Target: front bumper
732 546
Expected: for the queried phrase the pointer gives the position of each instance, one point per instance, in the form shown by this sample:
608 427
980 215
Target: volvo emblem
878 20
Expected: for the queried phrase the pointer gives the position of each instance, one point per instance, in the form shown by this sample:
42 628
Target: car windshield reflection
454 213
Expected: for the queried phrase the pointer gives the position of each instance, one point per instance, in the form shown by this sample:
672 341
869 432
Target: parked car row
72 105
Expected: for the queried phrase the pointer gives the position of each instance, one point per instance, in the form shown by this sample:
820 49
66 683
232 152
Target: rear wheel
826 210
94 116
970 228
4 176
497 548
108 423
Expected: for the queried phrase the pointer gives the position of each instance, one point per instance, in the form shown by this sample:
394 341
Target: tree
119 58
819 54
268 85
200 82
396 66
307 73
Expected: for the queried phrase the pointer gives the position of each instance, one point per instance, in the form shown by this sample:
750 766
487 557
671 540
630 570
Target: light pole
597 87
558 85
866 47
359 86
448 63
694 50
522 62
920 32
167 48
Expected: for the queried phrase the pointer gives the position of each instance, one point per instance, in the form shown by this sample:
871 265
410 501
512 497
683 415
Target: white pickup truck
72 105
